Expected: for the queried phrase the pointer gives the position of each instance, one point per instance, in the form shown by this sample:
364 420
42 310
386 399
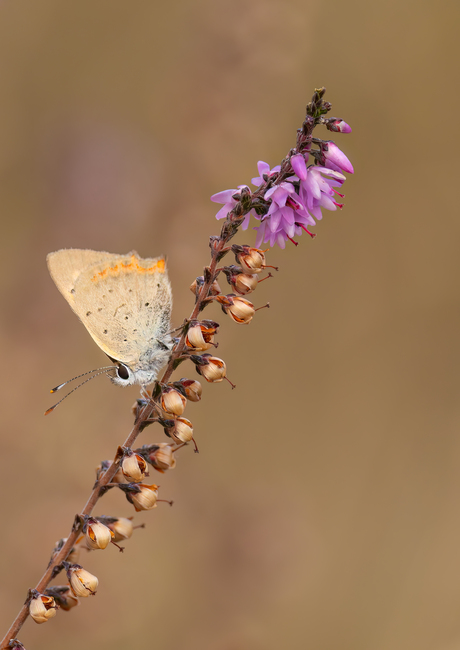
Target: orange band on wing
133 266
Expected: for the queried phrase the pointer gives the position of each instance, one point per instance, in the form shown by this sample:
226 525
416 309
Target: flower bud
82 582
196 285
73 554
162 458
200 334
134 468
63 597
105 464
172 401
251 260
337 125
122 528
42 607
338 159
192 389
299 166
97 535
145 498
242 283
211 368
239 309
181 430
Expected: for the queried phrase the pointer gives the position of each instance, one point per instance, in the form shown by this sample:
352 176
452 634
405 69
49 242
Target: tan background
323 511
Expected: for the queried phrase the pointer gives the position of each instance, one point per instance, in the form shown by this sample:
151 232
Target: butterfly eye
123 371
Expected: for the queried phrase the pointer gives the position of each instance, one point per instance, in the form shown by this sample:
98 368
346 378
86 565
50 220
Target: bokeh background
323 510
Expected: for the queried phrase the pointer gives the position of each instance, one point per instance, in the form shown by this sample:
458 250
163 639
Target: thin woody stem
74 533
106 478
218 247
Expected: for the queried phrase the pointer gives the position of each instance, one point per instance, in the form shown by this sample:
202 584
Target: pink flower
296 202
264 169
317 192
337 125
286 215
226 197
299 166
336 159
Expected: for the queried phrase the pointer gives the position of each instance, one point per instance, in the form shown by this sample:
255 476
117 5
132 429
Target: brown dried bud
200 334
82 582
242 283
145 498
196 285
63 596
73 554
162 458
42 607
134 468
105 464
251 260
122 528
211 368
239 309
97 535
181 430
192 388
172 401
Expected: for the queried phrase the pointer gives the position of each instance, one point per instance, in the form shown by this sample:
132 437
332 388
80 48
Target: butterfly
125 303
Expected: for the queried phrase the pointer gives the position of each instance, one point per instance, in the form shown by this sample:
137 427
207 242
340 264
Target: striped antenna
56 388
100 371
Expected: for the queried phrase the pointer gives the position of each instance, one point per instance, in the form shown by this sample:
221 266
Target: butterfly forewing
66 265
124 301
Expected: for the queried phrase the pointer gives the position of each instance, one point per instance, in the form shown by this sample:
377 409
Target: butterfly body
125 303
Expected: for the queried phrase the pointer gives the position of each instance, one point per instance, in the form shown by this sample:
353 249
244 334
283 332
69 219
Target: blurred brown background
323 511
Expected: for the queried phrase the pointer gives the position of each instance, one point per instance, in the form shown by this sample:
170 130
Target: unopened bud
73 554
143 498
63 596
332 154
162 458
200 334
42 607
101 469
211 368
172 401
196 285
337 125
97 535
82 582
239 309
192 389
122 528
251 260
134 468
242 283
180 430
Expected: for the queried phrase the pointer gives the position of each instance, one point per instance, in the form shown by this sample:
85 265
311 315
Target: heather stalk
287 201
